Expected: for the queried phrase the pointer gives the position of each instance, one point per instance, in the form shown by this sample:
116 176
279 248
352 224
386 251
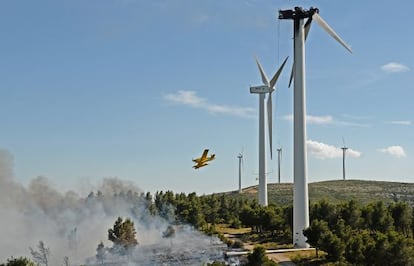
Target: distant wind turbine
279 157
344 148
301 197
267 87
240 156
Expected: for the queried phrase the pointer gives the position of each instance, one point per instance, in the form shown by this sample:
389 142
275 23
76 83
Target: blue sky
136 89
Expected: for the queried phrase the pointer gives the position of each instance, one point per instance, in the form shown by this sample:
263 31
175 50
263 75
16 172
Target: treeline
373 234
204 212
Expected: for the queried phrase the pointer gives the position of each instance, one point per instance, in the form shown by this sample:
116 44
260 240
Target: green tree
378 253
376 217
323 210
268 219
400 249
123 233
401 214
314 234
351 214
332 245
251 216
258 257
354 250
21 261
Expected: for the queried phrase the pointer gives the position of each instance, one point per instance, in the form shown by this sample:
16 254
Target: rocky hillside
335 191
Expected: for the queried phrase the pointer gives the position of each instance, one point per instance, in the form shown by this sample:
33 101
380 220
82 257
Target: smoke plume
72 225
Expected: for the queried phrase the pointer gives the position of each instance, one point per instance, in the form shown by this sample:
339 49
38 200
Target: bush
259 258
235 223
21 261
237 244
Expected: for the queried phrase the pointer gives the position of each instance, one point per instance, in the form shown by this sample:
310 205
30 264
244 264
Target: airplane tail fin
213 156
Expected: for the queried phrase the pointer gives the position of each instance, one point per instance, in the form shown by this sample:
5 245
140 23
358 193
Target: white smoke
73 225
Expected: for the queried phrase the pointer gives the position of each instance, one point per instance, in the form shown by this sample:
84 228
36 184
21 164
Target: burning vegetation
69 229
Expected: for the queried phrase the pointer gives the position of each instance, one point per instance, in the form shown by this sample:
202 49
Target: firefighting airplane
202 161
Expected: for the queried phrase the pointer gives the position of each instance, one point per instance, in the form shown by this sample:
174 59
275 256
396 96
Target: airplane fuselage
202 161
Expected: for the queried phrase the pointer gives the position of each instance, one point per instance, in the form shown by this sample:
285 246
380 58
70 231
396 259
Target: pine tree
123 233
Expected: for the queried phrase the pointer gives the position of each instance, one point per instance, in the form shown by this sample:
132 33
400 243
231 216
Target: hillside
335 191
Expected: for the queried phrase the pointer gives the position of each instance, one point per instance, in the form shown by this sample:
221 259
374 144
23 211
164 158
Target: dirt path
280 258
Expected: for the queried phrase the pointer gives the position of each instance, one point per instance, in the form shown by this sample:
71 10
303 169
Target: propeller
281 152
265 80
240 156
330 31
322 23
271 86
269 102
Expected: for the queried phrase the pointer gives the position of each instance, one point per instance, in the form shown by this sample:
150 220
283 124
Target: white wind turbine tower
279 157
240 156
267 87
300 192
344 148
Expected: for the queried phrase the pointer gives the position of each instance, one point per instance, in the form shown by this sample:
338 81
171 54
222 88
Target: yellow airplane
202 161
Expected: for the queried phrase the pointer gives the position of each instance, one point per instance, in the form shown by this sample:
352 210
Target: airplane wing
211 157
204 154
201 162
199 165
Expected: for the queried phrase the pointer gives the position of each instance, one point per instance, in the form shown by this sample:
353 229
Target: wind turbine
344 148
300 192
279 157
267 87
240 156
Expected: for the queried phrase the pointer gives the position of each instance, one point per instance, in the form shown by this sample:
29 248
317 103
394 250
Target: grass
306 258
337 191
225 229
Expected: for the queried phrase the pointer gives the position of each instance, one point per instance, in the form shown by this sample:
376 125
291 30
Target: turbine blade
307 28
329 30
262 73
291 74
281 152
269 121
277 74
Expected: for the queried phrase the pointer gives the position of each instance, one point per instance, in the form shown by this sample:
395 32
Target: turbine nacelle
268 87
298 13
312 15
261 89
